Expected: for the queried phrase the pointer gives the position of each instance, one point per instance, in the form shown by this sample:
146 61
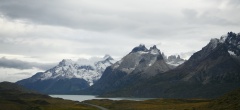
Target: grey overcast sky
37 34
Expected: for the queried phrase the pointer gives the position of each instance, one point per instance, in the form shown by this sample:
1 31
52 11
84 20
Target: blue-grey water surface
89 97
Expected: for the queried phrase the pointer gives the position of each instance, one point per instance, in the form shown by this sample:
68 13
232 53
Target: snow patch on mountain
231 53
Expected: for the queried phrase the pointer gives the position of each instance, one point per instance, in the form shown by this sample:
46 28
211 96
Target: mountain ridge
68 76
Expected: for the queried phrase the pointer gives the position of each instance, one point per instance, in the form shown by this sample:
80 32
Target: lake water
89 97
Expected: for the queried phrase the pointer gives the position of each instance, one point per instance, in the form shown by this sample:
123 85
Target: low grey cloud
24 73
74 14
125 20
18 64
57 27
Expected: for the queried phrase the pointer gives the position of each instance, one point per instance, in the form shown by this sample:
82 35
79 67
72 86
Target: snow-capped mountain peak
88 69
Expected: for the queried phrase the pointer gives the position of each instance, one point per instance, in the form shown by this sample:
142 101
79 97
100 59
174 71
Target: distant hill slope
15 97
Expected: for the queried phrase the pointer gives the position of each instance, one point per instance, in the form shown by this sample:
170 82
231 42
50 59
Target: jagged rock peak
141 47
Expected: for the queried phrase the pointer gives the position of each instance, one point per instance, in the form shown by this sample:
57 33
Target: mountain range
208 73
68 76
